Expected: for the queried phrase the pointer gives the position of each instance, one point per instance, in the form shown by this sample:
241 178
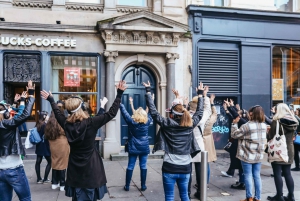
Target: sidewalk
115 172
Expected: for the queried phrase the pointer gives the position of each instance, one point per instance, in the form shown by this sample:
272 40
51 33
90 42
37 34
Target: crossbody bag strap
277 127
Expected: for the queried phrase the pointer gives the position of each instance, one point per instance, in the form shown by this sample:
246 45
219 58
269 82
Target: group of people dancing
68 143
250 133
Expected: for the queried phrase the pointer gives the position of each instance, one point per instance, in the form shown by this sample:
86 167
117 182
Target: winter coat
43 147
199 138
10 140
208 138
138 142
60 151
171 137
289 127
85 167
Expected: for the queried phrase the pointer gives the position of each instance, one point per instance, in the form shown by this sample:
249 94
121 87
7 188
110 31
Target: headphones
174 112
81 105
244 114
5 113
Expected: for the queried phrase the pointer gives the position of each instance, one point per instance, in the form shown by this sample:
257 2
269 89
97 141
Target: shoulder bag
34 137
297 140
277 147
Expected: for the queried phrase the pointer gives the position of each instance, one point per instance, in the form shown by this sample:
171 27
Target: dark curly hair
53 130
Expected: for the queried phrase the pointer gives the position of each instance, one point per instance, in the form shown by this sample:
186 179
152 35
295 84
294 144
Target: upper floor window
85 1
214 2
133 2
284 5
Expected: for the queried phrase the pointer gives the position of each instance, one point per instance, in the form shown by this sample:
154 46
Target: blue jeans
132 160
241 176
252 172
14 179
182 181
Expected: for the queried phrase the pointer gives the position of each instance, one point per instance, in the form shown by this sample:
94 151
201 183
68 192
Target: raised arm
199 111
214 114
131 104
125 114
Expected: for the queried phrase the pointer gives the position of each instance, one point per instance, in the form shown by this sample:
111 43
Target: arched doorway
135 76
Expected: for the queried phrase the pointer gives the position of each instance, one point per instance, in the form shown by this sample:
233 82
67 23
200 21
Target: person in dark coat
138 143
42 149
86 180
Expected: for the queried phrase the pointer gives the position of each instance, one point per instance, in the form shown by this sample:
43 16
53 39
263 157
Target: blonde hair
283 110
73 104
140 116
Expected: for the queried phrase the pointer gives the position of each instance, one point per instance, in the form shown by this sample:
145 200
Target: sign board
277 89
71 77
39 42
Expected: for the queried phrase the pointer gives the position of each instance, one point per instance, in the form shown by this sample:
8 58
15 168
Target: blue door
134 77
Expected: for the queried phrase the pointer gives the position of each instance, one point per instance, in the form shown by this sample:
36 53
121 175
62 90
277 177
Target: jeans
182 181
14 179
252 171
132 160
241 176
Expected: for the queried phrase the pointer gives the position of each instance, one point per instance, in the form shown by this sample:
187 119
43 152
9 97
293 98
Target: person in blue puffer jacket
138 143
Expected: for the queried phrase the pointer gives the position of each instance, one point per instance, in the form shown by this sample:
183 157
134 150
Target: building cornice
84 6
45 4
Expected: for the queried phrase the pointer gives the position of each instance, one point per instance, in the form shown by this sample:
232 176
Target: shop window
75 75
286 75
133 2
284 5
85 1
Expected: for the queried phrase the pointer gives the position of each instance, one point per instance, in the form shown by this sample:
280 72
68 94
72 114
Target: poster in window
71 77
277 89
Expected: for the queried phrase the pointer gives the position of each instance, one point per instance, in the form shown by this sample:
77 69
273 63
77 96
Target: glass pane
284 5
90 101
74 74
219 2
286 76
133 2
207 2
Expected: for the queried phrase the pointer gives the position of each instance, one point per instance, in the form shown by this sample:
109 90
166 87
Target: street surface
219 187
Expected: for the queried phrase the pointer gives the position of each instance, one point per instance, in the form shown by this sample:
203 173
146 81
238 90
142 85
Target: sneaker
40 181
225 174
295 169
62 188
47 181
55 186
238 186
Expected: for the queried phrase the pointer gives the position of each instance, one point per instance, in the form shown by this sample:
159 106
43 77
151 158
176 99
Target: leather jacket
171 137
10 140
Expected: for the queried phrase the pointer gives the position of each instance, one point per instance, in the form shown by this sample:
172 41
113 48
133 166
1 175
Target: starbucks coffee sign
39 42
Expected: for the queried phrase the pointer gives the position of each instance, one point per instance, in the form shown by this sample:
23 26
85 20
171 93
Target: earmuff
244 113
173 112
5 112
82 106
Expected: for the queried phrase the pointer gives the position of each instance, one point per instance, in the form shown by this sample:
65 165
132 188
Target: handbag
297 140
34 136
277 147
228 146
28 144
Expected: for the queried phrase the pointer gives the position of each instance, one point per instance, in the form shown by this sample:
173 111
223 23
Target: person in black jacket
176 138
11 149
86 178
138 143
42 149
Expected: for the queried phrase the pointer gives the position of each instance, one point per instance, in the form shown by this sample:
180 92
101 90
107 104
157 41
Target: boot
197 194
128 179
239 186
289 197
143 179
248 199
276 198
254 199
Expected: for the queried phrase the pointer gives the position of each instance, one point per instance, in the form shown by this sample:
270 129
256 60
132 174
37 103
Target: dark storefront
250 56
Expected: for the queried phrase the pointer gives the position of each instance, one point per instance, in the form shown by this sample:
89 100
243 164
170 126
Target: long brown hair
185 119
53 130
41 121
72 104
257 114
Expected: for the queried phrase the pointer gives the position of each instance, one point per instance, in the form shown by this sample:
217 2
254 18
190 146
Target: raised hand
131 99
147 84
45 94
212 98
227 102
225 106
30 85
185 100
206 89
200 89
24 94
121 85
231 102
176 93
17 97
103 102
238 107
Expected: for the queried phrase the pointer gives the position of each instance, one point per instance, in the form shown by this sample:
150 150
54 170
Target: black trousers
197 171
59 177
296 155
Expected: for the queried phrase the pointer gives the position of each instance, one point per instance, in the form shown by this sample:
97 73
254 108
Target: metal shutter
218 68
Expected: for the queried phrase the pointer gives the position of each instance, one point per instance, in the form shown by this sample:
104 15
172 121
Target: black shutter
218 68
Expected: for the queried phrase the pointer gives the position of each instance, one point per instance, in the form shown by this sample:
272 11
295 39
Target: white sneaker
62 188
55 186
225 174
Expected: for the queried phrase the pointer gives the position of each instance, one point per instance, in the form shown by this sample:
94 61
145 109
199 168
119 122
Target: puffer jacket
138 142
171 137
10 140
289 127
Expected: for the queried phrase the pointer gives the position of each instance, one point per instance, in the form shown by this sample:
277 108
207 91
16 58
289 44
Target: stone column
110 144
170 76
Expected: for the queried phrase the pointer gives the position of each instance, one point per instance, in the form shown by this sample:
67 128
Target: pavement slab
116 170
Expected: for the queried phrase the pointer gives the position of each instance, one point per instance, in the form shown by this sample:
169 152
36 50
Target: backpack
34 137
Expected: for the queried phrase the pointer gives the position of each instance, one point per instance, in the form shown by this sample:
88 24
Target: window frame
125 5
